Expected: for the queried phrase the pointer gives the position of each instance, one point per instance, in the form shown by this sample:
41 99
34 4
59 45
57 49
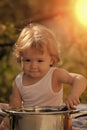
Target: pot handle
67 122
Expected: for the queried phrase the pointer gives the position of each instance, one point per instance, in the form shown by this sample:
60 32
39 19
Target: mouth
33 71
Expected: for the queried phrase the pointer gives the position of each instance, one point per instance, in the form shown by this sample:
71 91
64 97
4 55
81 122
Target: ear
52 61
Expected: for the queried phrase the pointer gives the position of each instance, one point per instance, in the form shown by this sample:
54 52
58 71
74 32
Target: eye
40 61
26 60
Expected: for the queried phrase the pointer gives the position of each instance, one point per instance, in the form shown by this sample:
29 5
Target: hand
5 124
4 105
72 101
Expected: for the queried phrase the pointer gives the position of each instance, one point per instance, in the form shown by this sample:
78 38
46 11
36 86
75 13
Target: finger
70 104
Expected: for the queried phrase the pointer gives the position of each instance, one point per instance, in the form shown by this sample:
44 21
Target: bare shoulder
64 76
61 72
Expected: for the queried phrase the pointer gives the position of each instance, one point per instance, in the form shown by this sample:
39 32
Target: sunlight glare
81 11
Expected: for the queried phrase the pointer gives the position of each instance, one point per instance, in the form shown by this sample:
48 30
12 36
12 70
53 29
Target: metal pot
2 115
41 118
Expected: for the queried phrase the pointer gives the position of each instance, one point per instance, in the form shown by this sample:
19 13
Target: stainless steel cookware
41 118
2 115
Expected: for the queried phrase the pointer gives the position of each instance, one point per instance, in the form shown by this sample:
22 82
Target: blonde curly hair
39 37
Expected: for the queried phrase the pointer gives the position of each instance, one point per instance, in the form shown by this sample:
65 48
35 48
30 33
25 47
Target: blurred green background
55 14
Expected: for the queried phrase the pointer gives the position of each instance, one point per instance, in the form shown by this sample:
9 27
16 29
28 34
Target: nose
33 65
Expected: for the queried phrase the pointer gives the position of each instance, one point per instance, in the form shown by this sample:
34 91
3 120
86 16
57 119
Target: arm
78 85
4 105
15 100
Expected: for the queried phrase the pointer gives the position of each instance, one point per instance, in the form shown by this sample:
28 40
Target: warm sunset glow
81 11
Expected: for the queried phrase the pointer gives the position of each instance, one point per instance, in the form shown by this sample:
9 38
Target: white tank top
40 93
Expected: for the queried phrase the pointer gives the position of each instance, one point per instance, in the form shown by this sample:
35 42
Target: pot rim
40 110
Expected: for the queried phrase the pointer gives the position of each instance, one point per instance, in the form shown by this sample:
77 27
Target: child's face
36 64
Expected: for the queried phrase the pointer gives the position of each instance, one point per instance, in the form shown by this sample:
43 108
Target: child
4 105
41 82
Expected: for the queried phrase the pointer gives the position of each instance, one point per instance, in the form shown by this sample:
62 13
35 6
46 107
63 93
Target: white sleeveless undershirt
40 93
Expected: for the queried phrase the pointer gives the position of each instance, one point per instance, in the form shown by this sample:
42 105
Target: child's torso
40 93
